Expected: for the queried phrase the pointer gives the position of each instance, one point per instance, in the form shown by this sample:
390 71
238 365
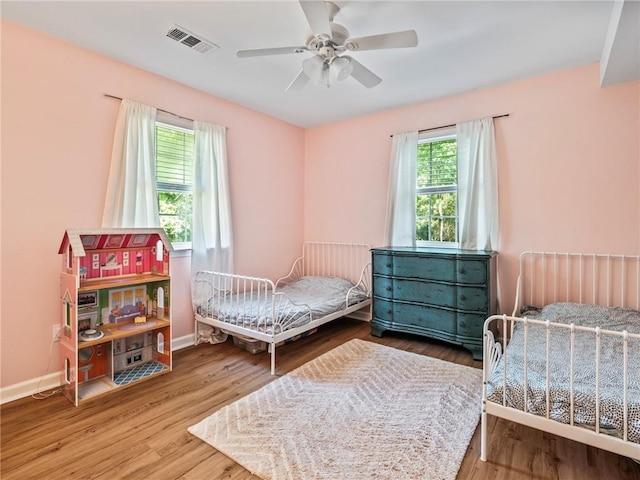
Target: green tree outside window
436 186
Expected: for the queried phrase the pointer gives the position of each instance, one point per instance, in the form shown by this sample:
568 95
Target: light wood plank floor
140 432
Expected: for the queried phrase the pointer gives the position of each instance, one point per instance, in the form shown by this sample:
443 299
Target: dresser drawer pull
389 288
462 271
462 297
389 265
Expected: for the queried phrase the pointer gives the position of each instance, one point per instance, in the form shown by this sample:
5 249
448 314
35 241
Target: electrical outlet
55 330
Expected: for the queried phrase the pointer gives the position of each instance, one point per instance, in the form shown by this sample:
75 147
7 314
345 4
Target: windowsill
437 244
181 250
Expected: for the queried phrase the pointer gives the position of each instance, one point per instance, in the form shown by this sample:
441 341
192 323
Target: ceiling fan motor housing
327 52
319 42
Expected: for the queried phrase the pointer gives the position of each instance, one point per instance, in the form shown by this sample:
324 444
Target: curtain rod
452 125
159 109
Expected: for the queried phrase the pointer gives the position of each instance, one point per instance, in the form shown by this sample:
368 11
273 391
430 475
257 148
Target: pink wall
569 166
569 160
57 133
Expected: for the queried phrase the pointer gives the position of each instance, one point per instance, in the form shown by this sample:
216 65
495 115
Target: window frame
177 123
430 137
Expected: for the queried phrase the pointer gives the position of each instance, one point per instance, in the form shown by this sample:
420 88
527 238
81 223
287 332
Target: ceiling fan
328 43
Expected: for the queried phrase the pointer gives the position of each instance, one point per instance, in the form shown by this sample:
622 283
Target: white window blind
437 165
174 158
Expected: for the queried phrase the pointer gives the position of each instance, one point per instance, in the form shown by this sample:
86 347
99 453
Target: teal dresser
436 292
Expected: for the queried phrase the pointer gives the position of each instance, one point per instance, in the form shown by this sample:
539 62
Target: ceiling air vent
191 40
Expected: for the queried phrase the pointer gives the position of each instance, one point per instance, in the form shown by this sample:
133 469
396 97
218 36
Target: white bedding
295 304
611 386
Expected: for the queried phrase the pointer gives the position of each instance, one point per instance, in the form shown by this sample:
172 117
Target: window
437 190
174 181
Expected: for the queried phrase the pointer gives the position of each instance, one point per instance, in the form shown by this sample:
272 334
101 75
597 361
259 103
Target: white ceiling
462 46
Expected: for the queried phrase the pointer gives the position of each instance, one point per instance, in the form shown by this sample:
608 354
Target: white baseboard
29 387
52 380
183 342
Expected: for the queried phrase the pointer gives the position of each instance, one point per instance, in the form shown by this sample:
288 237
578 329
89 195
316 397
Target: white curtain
131 199
212 246
477 185
401 207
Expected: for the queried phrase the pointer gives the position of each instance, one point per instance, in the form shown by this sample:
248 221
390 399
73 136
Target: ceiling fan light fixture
342 67
312 67
317 70
323 81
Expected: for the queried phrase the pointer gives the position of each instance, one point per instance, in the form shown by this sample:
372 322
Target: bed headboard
599 279
328 259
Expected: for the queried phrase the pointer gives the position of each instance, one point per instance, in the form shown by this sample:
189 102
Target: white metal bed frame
351 261
549 277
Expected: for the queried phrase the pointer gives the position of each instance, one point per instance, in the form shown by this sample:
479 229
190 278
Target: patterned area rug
360 411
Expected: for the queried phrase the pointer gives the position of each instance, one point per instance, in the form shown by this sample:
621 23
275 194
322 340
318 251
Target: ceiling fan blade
362 74
407 38
317 15
298 83
259 52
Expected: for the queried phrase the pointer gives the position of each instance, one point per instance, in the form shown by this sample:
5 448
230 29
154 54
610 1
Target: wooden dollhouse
115 290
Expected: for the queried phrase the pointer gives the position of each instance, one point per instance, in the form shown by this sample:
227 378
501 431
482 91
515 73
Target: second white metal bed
329 280
573 371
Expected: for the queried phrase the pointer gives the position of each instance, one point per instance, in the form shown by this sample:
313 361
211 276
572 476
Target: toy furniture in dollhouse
116 319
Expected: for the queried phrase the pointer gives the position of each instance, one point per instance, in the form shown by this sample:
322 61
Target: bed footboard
248 306
527 383
249 303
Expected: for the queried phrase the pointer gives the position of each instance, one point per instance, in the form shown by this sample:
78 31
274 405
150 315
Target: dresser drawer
382 264
383 309
425 317
430 293
382 287
471 272
427 268
472 299
470 324
446 269
415 315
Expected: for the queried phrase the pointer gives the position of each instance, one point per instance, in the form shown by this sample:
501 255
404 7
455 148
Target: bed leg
273 359
483 436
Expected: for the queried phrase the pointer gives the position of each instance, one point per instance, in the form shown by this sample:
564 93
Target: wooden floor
140 432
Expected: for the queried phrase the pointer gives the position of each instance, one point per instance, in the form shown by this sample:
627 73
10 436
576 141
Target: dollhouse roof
112 238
